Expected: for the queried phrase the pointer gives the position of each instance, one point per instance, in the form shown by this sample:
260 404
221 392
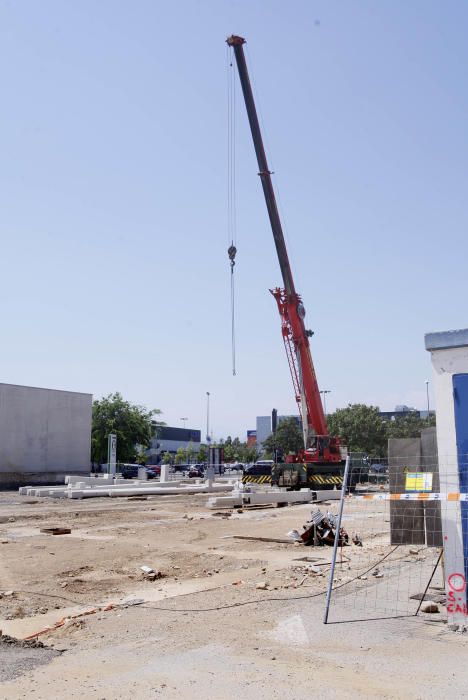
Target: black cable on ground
265 600
230 605
429 582
51 595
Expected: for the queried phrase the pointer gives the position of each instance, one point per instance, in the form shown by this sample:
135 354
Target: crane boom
237 43
290 306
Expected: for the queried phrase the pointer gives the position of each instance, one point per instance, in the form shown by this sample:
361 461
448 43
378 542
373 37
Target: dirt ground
219 616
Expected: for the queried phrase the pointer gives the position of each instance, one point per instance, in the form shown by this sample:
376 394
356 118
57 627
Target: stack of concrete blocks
92 487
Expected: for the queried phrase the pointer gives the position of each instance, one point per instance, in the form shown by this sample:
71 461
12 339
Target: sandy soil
204 628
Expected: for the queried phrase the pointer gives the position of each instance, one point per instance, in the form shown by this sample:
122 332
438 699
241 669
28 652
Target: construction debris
320 530
147 569
262 586
56 530
430 607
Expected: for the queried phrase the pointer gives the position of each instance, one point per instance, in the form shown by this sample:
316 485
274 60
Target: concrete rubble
270 495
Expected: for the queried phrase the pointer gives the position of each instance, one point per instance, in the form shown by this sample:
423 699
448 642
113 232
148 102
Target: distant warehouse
44 434
169 439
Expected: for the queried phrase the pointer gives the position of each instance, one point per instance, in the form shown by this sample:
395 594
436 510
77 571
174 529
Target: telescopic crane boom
319 446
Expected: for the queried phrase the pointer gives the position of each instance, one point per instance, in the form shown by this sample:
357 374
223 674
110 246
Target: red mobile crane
319 447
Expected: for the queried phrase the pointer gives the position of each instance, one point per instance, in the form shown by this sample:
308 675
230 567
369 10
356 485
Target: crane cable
231 193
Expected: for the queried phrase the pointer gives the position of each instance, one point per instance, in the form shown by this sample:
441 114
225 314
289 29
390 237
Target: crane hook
232 250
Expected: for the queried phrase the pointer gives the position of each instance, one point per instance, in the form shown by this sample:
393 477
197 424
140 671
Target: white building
44 434
169 439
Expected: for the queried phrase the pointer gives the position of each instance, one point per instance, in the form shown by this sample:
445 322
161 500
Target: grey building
401 411
169 439
44 434
264 428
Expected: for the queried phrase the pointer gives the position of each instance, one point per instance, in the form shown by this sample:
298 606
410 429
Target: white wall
44 434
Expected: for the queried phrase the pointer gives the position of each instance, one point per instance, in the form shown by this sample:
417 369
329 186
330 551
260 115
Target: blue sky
113 206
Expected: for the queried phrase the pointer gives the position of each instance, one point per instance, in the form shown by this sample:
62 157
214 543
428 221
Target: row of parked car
130 471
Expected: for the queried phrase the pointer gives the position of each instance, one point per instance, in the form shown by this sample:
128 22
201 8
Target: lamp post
208 417
324 393
427 397
184 421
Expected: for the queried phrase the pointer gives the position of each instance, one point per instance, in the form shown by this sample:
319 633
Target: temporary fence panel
395 536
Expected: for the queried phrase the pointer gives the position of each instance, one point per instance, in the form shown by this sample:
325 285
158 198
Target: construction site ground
221 616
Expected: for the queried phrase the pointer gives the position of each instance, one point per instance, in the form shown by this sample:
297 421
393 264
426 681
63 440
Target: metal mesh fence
396 528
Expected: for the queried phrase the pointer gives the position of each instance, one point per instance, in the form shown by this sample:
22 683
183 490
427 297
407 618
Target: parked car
235 466
130 471
378 469
261 468
155 468
195 470
181 467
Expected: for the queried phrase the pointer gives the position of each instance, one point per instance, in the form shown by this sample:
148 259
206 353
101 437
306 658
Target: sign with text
112 452
418 481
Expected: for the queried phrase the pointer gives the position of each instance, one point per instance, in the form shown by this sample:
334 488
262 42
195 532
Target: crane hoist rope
231 191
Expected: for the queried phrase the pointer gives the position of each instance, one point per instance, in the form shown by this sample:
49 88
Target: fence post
337 537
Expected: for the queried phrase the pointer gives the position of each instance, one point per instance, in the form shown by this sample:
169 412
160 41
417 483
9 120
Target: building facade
44 434
401 411
251 438
264 428
168 439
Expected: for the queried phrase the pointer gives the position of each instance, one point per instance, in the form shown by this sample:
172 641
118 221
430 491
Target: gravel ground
18 658
229 616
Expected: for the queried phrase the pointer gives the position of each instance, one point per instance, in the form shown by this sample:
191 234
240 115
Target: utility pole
324 393
208 439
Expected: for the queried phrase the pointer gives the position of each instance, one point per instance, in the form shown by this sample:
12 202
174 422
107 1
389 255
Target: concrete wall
414 522
44 434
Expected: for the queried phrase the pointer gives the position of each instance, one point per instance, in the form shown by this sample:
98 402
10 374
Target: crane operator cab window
318 445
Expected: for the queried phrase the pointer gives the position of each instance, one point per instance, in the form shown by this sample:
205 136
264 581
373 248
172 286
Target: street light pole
184 421
324 393
208 417
427 397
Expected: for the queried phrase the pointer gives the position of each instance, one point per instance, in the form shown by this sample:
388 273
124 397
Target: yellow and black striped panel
325 480
256 479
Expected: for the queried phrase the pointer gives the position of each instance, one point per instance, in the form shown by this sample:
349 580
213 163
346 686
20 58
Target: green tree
133 425
360 428
408 426
229 452
248 453
167 458
180 456
288 438
202 454
141 457
190 452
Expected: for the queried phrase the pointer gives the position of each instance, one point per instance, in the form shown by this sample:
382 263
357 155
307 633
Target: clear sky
113 168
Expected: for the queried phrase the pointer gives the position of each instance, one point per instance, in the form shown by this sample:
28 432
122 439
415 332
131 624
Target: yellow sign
418 481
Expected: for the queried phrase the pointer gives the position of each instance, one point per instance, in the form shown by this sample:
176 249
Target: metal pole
427 396
208 417
324 393
335 543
